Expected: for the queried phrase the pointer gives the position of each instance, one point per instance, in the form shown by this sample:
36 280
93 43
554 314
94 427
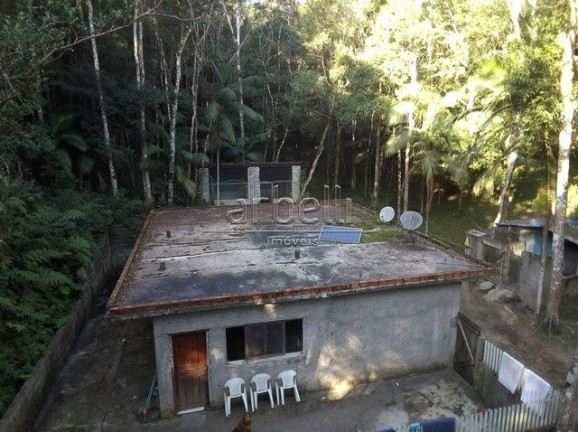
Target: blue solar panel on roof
340 234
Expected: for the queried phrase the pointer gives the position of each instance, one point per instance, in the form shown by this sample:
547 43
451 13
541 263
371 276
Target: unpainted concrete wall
347 339
252 187
529 276
26 406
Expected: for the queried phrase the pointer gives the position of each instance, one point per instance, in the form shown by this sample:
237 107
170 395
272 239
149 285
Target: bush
46 238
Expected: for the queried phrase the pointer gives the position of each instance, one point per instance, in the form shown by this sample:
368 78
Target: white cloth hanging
534 388
510 372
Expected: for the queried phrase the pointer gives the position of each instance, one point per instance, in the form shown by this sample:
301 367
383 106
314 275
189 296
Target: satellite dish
386 214
411 220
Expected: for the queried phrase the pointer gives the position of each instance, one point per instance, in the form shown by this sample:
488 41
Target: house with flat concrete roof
234 291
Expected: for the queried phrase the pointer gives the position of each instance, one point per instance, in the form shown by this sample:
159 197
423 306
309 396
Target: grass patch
449 225
379 234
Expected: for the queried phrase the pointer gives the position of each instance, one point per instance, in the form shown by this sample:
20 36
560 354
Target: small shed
517 246
530 237
227 301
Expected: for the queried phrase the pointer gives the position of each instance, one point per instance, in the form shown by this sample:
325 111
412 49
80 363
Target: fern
46 237
55 279
41 256
80 245
73 214
17 327
19 276
189 185
6 303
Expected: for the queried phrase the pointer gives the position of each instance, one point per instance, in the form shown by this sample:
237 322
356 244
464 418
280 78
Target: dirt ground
512 326
509 324
106 378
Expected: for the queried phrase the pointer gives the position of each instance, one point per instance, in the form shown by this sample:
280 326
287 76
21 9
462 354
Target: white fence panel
492 356
515 418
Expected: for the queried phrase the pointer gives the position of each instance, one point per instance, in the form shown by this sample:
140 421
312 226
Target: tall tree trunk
378 160
411 128
164 75
543 261
428 201
320 148
406 171
283 140
193 136
218 176
366 170
545 237
353 182
103 114
239 71
185 33
138 31
399 182
565 143
236 33
565 417
422 194
515 8
503 201
367 158
337 153
201 29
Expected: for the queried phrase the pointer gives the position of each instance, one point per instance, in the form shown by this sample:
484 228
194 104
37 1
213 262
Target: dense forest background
108 107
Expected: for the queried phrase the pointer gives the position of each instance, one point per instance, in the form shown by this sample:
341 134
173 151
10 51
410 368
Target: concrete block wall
528 278
295 182
347 339
253 184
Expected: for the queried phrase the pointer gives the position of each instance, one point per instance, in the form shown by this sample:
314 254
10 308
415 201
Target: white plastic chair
286 380
260 383
233 388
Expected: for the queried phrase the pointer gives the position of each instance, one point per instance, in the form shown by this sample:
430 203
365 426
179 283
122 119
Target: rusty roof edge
297 294
130 261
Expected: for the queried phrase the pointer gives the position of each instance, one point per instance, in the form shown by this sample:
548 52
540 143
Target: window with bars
264 339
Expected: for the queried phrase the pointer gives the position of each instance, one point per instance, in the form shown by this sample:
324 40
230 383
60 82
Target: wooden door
466 348
190 373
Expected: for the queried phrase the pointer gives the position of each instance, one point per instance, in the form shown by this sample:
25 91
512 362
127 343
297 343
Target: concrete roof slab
197 258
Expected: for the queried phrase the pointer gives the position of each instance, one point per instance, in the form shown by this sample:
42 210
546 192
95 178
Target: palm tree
222 113
425 142
68 155
221 117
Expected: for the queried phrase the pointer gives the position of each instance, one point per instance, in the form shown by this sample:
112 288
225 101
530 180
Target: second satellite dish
386 214
411 220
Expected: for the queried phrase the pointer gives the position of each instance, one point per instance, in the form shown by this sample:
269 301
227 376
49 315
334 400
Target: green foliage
48 236
475 90
221 115
28 35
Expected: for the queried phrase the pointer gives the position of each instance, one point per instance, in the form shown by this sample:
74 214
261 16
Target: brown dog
245 425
